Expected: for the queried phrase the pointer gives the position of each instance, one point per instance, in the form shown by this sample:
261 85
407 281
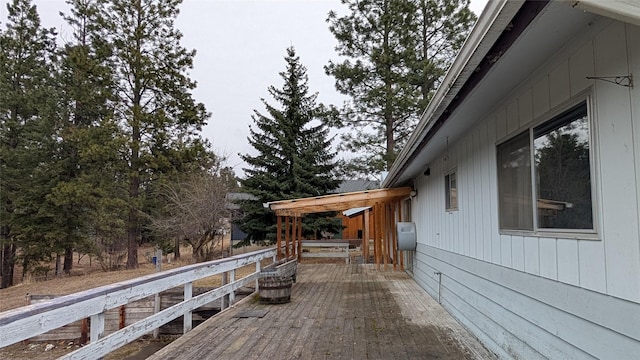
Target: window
552 164
451 191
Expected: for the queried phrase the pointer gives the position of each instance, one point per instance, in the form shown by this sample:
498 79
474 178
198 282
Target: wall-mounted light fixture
427 172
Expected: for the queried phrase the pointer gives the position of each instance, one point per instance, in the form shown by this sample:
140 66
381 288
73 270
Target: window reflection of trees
563 175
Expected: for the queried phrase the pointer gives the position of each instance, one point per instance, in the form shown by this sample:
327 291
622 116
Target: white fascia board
624 10
470 55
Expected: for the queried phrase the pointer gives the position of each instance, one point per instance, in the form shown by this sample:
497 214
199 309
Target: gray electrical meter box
406 236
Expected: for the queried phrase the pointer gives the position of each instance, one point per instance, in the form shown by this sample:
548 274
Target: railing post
224 300
187 322
156 298
156 309
232 294
97 327
257 272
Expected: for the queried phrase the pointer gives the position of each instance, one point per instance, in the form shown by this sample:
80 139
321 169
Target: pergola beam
336 202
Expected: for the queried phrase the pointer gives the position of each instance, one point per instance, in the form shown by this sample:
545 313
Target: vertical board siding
541 97
581 66
548 258
568 269
484 175
525 108
467 199
619 186
559 85
512 118
517 252
532 255
633 34
501 124
493 191
479 142
505 245
591 266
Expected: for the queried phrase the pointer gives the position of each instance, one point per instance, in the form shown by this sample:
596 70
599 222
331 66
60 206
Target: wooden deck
337 311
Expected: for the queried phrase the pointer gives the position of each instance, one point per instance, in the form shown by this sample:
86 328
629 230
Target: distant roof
240 196
233 197
347 186
355 211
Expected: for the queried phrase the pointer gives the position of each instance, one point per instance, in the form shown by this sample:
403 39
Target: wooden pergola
386 210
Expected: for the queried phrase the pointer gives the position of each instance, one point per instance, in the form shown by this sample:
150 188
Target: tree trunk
176 251
8 263
25 267
68 260
58 265
132 240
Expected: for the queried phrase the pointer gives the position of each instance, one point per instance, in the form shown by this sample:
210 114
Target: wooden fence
32 320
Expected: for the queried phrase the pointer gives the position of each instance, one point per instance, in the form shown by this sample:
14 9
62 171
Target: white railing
28 321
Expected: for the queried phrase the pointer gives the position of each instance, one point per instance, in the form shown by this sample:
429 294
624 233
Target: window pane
514 183
447 192
453 191
563 171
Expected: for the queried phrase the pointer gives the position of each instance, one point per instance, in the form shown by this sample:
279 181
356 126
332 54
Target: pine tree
294 158
26 136
89 140
155 107
397 51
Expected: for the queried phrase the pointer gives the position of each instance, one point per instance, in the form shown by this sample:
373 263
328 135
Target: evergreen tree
294 159
397 51
26 137
155 108
88 137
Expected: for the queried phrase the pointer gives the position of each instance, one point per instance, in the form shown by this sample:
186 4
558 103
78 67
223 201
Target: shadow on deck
336 312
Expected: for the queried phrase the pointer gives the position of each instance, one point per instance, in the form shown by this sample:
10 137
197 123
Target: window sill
592 236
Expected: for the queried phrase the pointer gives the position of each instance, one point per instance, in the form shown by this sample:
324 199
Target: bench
341 246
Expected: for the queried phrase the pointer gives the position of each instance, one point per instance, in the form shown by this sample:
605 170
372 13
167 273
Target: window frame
447 191
582 234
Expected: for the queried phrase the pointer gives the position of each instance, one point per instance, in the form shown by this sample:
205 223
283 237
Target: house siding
533 296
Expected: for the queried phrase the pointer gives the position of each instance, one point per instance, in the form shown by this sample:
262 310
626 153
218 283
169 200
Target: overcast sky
240 51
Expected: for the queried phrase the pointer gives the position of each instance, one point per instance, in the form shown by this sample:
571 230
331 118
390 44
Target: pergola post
286 236
398 219
377 231
294 236
279 237
300 239
394 238
366 236
385 235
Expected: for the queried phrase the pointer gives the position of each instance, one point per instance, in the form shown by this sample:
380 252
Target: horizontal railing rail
342 246
32 320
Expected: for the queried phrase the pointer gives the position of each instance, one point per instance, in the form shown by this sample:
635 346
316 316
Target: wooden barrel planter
275 282
275 291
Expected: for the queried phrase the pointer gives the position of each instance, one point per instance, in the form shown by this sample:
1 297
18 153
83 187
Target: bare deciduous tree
197 212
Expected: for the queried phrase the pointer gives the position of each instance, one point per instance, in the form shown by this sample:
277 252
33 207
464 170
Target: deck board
337 311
